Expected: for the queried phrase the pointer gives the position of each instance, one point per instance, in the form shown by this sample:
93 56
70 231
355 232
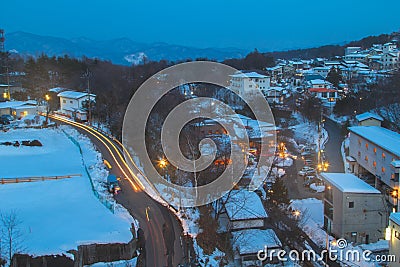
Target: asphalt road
332 147
161 228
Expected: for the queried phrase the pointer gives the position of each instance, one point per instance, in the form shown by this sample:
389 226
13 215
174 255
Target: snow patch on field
57 216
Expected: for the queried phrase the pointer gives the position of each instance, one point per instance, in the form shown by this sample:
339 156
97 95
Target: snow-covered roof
58 89
380 136
74 94
395 217
14 104
395 163
244 205
349 183
319 81
252 74
250 241
368 115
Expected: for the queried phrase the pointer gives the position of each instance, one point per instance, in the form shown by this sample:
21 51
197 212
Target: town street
332 147
161 227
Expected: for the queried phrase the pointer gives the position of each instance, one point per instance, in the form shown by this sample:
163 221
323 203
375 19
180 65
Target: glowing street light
162 163
47 97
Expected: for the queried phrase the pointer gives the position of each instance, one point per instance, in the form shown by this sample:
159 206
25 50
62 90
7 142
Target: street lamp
395 196
47 97
296 213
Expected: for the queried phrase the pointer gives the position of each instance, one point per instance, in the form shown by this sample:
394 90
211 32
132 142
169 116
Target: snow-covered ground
307 132
57 216
312 218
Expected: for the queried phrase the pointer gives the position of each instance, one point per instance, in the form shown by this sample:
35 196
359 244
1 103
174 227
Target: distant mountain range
120 51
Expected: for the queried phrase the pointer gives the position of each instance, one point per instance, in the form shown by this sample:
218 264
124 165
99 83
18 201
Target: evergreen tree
279 193
334 76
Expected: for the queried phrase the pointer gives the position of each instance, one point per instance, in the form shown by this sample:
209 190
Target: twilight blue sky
264 24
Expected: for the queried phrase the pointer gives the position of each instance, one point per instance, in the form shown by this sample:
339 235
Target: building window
359 154
383 156
70 101
374 163
351 204
383 169
397 234
366 146
366 158
359 141
64 101
375 150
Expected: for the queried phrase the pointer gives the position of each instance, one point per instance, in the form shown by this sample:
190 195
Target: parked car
6 119
306 171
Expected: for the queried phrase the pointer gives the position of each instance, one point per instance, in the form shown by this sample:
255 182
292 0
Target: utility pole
87 76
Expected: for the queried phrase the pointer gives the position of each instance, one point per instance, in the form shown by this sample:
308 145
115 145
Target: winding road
332 147
162 229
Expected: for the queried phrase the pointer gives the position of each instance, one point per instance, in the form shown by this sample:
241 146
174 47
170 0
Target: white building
389 47
394 238
353 209
352 50
390 60
247 83
72 104
20 109
374 152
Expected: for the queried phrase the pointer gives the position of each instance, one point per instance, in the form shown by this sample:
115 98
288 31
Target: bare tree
11 233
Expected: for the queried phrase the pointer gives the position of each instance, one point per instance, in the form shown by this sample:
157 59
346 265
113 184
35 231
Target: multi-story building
353 209
374 154
394 238
248 83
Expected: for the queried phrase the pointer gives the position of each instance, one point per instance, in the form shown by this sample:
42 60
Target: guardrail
36 178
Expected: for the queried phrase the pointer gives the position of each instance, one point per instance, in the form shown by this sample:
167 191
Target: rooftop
349 183
248 75
321 90
380 136
74 94
58 89
395 217
14 104
250 241
368 115
244 205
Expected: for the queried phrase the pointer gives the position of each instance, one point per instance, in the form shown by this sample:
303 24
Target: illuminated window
383 155
375 150
383 169
374 164
359 141
366 158
366 146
